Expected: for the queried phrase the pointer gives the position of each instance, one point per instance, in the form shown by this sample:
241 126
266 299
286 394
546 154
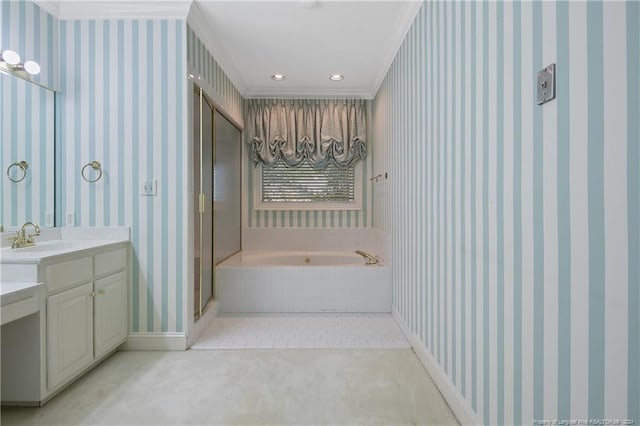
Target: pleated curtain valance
320 131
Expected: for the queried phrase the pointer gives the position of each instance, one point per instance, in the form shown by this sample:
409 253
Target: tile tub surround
336 387
281 288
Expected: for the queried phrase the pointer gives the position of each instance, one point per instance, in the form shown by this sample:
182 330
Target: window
304 187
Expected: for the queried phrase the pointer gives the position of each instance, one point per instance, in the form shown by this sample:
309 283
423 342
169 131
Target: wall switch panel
149 187
546 84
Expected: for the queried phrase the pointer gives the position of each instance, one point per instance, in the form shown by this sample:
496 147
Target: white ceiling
306 40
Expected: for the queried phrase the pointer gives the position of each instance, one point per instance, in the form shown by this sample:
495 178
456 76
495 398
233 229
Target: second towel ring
95 165
22 165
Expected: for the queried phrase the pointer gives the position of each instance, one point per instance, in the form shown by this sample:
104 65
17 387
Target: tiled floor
328 331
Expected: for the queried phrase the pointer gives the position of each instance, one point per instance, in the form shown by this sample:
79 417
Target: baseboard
155 342
459 406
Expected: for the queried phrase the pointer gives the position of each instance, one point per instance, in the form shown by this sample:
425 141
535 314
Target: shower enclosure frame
204 212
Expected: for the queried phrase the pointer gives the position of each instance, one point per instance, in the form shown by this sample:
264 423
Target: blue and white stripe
26 134
633 207
204 64
123 103
32 32
27 113
516 227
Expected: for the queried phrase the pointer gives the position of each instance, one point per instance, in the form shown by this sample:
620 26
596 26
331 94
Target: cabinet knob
93 294
102 291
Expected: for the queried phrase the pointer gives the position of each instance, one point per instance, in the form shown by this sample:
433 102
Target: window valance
320 131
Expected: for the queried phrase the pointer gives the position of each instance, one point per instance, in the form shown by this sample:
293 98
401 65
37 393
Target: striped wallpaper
123 102
200 60
516 227
26 134
311 218
33 33
27 113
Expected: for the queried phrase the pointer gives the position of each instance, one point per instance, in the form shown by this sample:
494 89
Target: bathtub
272 281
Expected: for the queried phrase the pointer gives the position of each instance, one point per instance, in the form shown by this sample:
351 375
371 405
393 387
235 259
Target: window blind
304 183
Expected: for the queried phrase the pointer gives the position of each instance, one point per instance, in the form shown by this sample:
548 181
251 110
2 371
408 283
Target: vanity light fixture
10 57
336 77
278 77
32 67
10 61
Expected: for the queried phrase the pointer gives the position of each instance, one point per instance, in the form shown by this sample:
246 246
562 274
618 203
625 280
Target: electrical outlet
70 218
149 187
48 218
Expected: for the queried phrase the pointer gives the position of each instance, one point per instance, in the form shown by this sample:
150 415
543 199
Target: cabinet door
111 312
69 333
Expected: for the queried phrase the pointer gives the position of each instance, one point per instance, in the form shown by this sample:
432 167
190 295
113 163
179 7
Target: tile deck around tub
328 331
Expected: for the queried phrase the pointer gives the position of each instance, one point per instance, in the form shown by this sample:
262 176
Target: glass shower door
226 191
217 200
203 190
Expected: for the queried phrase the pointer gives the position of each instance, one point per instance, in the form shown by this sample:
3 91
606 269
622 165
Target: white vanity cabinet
85 318
88 318
69 333
110 313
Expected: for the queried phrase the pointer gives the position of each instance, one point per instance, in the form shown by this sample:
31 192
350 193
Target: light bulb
10 57
336 77
278 77
32 67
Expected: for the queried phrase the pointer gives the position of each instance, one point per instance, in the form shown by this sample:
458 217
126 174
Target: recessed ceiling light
278 77
309 4
336 77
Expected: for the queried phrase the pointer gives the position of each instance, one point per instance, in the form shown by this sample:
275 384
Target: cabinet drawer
111 261
67 274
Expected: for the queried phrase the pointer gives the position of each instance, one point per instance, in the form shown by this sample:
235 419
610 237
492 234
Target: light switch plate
546 84
149 187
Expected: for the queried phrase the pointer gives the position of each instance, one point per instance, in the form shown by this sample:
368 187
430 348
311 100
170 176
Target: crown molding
308 93
51 7
407 16
100 9
203 29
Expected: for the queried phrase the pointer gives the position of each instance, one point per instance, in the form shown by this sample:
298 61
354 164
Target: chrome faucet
22 239
370 259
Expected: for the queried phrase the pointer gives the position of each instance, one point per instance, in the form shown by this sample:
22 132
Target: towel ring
379 176
95 165
22 165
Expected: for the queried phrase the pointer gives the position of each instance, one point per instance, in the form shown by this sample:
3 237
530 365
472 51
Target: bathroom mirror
27 155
